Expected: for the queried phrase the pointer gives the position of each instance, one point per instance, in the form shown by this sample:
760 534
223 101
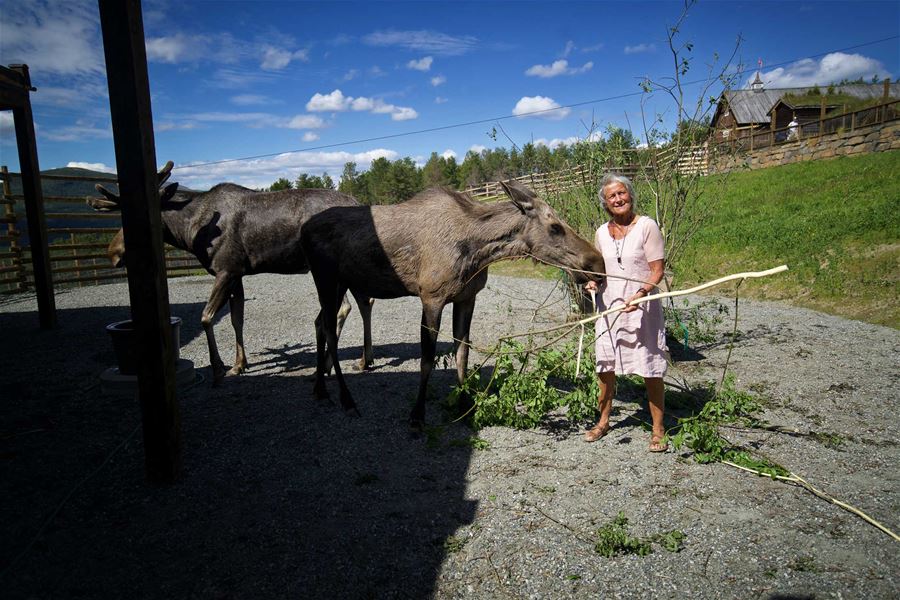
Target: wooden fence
554 182
78 238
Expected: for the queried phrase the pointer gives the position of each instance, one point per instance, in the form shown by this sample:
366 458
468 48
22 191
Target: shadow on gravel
302 356
282 496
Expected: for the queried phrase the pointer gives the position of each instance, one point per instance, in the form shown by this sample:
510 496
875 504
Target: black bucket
122 334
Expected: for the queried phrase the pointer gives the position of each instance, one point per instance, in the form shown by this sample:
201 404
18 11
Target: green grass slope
835 223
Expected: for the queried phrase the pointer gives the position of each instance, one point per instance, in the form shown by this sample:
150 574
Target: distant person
632 341
793 129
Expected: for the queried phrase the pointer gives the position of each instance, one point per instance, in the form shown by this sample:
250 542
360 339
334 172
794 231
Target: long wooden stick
693 290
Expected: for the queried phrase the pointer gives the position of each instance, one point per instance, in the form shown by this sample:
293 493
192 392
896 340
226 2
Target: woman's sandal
658 444
596 432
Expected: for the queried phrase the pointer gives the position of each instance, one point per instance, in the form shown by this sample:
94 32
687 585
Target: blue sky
240 79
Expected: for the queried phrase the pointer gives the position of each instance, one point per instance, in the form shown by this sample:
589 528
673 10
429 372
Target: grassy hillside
835 223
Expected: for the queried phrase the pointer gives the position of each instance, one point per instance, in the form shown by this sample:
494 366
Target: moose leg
462 323
323 361
329 293
217 298
365 311
431 324
236 307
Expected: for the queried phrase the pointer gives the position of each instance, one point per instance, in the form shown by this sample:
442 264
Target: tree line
390 182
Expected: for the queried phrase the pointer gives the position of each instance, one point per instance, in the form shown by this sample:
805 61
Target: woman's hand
637 296
591 286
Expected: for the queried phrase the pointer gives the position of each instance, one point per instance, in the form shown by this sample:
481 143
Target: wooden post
887 89
132 121
20 102
9 210
821 117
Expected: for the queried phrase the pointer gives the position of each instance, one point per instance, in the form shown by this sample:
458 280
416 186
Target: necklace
620 247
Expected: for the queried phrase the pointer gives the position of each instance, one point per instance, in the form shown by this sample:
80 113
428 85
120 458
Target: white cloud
91 166
58 38
640 48
569 141
423 64
448 153
275 59
306 122
174 49
160 126
251 99
376 71
310 136
593 48
260 173
351 74
559 67
440 100
337 102
81 131
402 113
7 126
423 41
546 108
477 148
254 120
438 80
570 45
832 68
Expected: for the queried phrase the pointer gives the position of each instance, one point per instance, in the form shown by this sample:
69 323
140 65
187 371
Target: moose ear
168 192
164 173
520 195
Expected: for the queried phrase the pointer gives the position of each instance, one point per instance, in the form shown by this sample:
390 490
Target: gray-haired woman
632 341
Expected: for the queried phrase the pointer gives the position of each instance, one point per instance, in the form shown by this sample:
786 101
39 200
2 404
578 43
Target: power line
505 117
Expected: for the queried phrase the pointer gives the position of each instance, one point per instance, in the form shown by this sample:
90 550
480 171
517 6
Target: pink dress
635 342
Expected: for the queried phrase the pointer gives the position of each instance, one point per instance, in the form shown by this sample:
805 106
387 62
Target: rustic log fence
77 253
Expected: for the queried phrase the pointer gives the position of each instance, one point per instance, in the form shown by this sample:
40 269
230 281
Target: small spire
757 85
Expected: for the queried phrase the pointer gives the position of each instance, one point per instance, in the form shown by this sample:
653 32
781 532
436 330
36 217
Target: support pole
34 197
132 121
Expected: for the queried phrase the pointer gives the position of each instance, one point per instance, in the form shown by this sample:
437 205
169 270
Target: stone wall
873 138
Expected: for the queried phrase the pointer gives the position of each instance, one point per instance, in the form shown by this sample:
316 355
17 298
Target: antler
112 201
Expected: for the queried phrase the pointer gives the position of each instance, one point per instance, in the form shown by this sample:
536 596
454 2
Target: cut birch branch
796 479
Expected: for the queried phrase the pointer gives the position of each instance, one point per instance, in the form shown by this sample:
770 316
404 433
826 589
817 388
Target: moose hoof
352 412
235 370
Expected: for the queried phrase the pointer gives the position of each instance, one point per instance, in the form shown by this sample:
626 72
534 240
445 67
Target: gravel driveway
285 496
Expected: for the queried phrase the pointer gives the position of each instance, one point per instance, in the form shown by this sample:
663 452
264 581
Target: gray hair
611 178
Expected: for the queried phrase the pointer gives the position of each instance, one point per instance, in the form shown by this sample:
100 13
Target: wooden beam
132 122
34 202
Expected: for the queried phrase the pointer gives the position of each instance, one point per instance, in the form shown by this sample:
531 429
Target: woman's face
618 200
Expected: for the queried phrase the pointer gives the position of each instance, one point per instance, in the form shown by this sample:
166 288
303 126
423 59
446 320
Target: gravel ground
286 496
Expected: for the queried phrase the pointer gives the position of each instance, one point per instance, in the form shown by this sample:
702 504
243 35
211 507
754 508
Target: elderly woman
632 341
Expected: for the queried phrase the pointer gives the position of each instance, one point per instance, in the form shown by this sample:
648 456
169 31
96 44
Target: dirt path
283 496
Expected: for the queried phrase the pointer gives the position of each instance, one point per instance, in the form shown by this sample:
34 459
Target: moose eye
557 229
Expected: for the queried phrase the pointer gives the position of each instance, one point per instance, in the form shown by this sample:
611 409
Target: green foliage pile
524 386
613 539
700 432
